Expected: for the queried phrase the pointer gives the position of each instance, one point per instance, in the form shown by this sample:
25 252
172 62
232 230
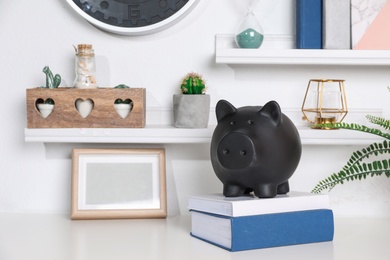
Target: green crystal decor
51 81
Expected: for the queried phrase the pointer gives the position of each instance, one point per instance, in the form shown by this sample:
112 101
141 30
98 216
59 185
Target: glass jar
249 33
85 67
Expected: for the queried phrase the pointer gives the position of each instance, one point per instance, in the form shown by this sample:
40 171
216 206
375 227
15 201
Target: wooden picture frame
118 183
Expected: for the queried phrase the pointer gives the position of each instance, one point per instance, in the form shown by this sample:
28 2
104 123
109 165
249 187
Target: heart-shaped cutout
45 107
123 107
84 107
121 101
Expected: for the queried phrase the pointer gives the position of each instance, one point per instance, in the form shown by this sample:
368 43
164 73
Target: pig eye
232 123
250 122
226 151
243 152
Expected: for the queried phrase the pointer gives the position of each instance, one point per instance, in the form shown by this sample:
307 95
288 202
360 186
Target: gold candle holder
324 121
324 102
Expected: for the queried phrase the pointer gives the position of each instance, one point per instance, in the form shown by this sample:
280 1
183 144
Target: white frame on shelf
97 173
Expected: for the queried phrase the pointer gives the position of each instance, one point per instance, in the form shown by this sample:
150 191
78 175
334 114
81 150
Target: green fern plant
361 164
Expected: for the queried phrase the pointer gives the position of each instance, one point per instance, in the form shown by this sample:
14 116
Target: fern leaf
385 123
365 153
355 168
340 177
357 127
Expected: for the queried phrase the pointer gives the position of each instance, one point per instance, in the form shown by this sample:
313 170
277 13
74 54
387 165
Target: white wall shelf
149 134
227 53
170 134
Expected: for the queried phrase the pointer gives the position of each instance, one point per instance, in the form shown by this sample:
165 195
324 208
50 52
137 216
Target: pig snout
236 151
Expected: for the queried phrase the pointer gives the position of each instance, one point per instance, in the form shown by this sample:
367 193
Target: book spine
273 230
336 24
263 231
308 24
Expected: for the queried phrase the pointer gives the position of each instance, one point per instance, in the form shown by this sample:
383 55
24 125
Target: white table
56 237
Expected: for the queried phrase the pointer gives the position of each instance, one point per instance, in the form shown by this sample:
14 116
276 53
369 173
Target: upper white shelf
170 134
227 53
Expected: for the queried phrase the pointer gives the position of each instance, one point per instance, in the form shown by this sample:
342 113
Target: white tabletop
40 236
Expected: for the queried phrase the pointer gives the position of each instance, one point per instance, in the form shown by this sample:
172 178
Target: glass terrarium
324 102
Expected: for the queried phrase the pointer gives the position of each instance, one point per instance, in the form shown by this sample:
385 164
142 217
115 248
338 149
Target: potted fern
365 162
191 108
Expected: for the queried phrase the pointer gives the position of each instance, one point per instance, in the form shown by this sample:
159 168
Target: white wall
35 177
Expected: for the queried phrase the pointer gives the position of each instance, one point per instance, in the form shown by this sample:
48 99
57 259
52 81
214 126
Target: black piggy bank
255 149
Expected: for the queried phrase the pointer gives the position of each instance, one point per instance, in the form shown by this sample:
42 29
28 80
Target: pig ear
273 111
223 109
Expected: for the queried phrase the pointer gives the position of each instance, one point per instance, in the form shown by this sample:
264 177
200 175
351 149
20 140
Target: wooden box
103 114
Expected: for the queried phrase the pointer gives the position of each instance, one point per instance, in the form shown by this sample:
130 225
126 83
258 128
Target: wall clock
132 17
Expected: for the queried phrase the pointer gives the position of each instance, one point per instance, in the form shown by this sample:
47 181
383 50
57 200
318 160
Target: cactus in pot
191 108
193 83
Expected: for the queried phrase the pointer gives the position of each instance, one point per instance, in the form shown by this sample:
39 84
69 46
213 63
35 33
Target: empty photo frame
118 183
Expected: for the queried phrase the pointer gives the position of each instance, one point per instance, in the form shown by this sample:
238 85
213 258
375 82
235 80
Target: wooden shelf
227 53
169 134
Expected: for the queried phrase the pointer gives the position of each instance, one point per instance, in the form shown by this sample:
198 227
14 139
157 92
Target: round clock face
132 17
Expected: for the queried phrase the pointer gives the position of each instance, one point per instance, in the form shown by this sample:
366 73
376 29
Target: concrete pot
191 111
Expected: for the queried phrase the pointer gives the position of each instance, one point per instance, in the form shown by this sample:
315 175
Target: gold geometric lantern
324 102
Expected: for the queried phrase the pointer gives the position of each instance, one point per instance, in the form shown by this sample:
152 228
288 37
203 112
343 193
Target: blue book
263 231
308 24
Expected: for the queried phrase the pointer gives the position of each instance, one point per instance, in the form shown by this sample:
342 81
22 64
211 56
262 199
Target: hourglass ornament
249 33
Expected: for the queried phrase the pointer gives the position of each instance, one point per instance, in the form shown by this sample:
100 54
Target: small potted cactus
191 108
